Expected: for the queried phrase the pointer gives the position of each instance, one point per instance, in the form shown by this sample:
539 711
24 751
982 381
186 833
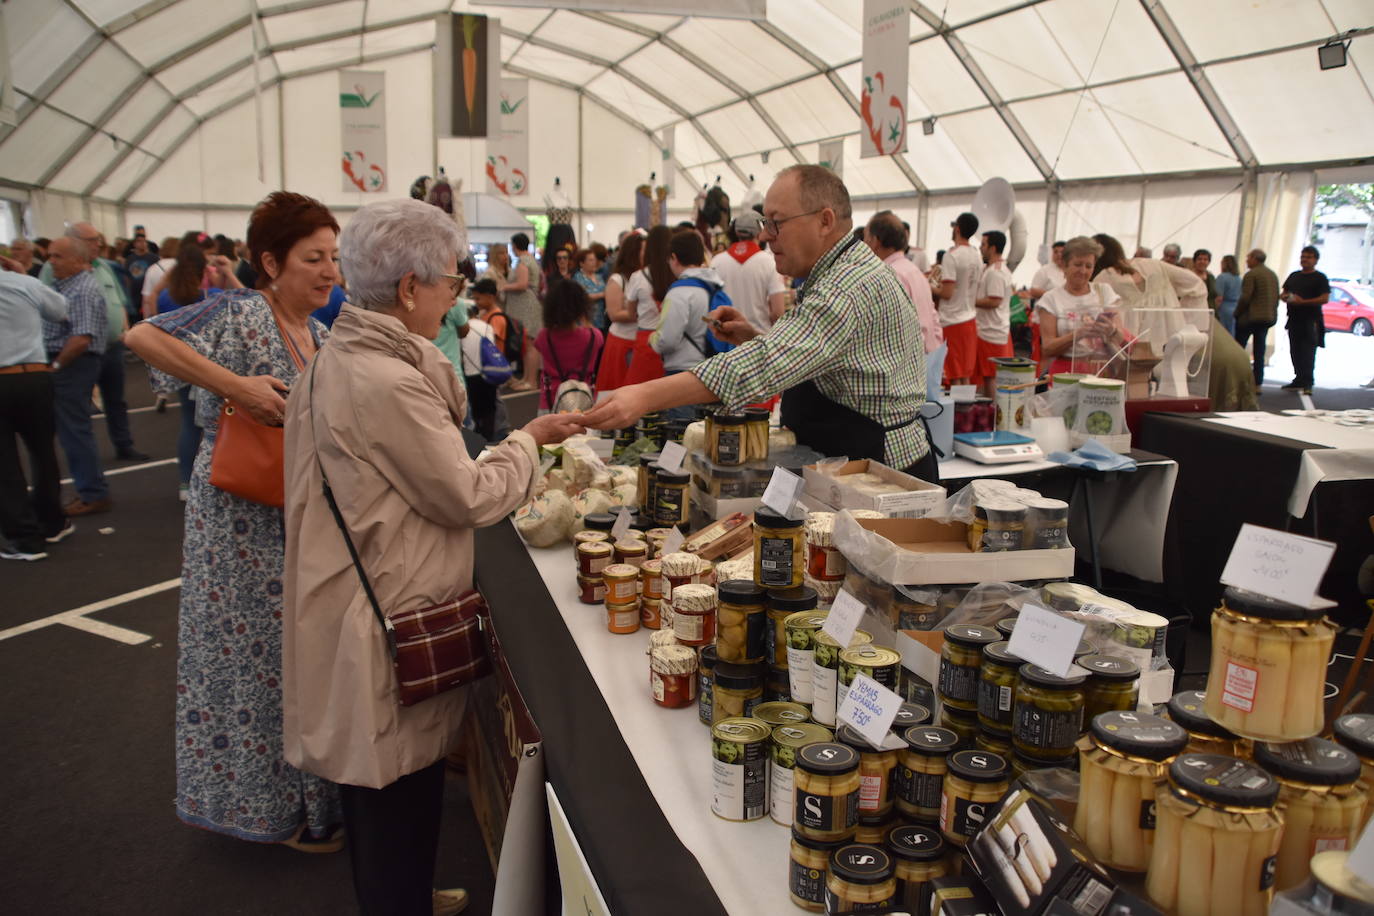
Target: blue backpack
719 298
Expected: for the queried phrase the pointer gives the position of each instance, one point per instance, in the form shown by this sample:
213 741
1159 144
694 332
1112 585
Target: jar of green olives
1048 712
1113 684
997 688
960 662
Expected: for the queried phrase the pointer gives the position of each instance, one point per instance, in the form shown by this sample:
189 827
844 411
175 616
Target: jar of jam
736 689
741 624
587 537
823 560
651 579
725 443
694 615
648 467
680 568
756 433
670 495
861 880
630 551
778 560
1049 712
622 618
622 584
877 773
921 768
1113 683
651 614
782 603
920 855
1122 764
1267 678
809 866
961 661
976 781
827 791
706 664
997 688
1355 732
673 676
1189 709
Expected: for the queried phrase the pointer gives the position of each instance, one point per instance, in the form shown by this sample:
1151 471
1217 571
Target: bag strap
292 350
687 333
387 628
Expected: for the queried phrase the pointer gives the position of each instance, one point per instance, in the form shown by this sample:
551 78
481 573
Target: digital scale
999 447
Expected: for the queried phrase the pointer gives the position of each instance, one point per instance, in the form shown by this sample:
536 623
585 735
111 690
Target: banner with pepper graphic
883 86
362 112
508 148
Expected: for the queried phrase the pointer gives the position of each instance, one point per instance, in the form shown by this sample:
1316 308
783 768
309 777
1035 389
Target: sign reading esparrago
362 115
883 78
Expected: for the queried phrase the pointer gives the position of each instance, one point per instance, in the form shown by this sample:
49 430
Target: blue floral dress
231 776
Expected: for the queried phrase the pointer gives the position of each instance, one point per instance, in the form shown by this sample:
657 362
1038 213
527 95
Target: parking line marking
163 462
170 405
76 617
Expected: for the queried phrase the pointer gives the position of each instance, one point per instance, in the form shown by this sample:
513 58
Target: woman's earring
410 305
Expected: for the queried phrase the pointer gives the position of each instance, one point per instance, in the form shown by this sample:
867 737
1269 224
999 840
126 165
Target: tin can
783 603
778 713
591 589
880 663
825 673
801 629
739 769
622 583
622 618
593 556
786 740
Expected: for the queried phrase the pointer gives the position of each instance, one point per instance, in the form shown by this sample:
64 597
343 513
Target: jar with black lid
779 551
826 780
726 445
706 666
997 688
648 467
1356 732
1049 712
1006 625
599 521
921 770
861 880
961 659
1113 683
976 781
919 855
1189 710
670 498
740 621
809 866
783 602
736 688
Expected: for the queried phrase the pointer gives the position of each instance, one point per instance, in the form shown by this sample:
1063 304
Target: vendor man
848 357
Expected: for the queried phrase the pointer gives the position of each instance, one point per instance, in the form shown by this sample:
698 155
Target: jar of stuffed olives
740 621
1113 683
827 791
1049 712
920 855
779 561
997 688
782 603
735 689
808 869
1355 732
877 773
961 660
1189 710
861 880
786 742
976 781
921 771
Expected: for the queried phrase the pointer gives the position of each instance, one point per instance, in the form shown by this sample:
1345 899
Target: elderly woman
246 347
379 412
1144 283
1078 320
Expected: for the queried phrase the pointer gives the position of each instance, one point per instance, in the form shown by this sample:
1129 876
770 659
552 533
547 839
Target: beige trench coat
386 416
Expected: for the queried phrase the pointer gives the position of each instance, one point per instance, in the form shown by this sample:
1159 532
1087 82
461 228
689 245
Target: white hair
387 240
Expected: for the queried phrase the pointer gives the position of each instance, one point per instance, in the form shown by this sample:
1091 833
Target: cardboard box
961 895
920 551
919 499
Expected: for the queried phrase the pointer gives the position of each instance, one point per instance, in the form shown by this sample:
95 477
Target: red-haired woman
244 346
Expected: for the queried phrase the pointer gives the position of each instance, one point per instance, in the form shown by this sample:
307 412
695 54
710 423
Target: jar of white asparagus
1356 732
1268 671
1217 838
1321 800
1122 762
1188 709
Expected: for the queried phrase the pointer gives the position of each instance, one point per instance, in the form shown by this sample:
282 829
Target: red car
1350 308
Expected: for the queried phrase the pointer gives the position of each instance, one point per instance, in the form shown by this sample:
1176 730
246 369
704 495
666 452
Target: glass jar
648 468
1021 764
997 688
729 483
599 521
671 506
1321 801
593 556
1333 890
1268 671
591 589
1048 713
961 660
877 773
801 629
920 855
873 828
861 880
725 442
740 621
673 676
827 791
1113 683
1006 625
651 580
622 618
963 724
999 525
881 663
909 715
976 781
809 866
1122 763
823 559
694 615
921 768
622 583
651 614
588 537
914 607
739 769
787 740
776 689
680 568
825 673
1216 837
735 689
783 603
1188 709
756 433
995 742
1355 732
630 551
778 561
1047 524
706 663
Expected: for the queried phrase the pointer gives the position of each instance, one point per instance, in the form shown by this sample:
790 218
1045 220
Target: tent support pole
922 218
581 157
281 136
1052 212
1246 228
1140 214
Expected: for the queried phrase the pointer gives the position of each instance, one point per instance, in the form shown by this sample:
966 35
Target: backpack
573 394
719 299
717 206
494 369
514 350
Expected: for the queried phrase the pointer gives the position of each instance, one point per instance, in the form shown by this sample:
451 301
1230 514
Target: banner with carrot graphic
883 78
470 112
508 147
362 113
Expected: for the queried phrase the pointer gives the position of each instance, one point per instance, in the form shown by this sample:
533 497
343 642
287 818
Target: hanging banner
362 113
830 153
508 148
9 100
668 149
883 88
467 75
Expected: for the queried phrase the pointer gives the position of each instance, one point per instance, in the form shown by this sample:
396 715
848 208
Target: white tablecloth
1337 452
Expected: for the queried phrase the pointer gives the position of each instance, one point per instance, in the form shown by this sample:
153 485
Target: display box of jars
867 484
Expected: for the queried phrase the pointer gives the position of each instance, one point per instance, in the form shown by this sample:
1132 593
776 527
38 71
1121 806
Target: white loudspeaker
995 207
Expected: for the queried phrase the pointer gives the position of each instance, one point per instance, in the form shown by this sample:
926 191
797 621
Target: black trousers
1260 331
393 840
26 413
1304 337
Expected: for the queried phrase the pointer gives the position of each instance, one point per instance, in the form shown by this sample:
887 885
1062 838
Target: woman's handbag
248 460
433 649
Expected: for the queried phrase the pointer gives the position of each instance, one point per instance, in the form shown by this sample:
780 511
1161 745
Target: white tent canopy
1156 120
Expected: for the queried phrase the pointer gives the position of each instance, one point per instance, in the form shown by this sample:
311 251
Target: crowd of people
286 728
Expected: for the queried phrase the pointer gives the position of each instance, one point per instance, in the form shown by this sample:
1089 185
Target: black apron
833 429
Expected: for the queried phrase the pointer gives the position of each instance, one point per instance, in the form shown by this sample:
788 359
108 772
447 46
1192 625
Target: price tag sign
621 526
1278 565
673 542
844 617
869 709
783 491
1045 638
671 457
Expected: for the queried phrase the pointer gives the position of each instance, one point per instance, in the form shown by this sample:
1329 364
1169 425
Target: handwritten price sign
1045 638
1278 565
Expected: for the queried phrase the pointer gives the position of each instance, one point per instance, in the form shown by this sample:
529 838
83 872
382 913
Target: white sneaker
67 531
450 902
183 491
10 552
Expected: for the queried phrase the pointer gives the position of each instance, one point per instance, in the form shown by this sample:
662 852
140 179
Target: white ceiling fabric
1095 90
